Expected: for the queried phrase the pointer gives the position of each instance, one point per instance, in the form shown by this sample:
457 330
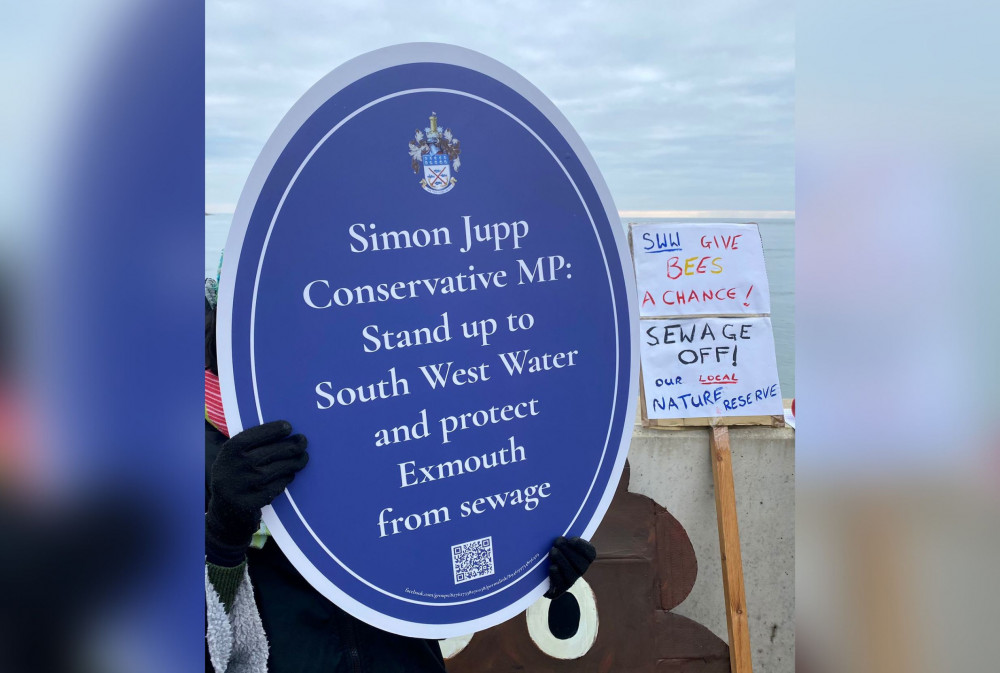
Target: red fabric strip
213 403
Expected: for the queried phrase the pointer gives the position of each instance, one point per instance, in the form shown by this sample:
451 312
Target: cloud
685 106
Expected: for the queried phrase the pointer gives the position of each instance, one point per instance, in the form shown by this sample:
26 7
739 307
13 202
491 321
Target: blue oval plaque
427 276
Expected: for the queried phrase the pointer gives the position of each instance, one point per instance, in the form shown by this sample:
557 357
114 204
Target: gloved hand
252 468
568 560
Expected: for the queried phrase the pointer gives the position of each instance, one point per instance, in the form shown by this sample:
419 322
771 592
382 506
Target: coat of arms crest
436 152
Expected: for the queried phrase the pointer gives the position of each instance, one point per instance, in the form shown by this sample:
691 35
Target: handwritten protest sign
427 277
707 366
697 367
700 269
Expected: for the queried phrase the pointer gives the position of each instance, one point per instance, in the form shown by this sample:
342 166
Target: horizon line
229 209
725 214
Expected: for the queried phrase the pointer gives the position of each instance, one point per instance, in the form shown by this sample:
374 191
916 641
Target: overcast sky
686 105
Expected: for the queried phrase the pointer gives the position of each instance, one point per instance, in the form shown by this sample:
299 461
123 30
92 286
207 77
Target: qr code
472 560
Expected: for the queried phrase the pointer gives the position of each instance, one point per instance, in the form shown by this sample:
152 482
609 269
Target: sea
778 237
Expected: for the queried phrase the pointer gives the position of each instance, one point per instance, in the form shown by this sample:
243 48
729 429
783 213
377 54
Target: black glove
568 560
252 468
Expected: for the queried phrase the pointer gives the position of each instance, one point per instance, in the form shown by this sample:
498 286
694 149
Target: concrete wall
673 468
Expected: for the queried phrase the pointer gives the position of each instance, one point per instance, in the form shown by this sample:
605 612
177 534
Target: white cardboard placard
704 367
699 269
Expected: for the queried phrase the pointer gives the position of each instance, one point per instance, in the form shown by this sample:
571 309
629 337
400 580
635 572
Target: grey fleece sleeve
236 639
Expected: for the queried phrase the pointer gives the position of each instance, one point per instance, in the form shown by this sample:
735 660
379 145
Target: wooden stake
729 548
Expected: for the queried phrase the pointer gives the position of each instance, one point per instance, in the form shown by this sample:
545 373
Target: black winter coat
306 632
